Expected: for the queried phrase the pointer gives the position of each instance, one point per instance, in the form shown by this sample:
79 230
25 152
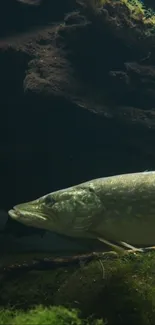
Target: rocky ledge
77 95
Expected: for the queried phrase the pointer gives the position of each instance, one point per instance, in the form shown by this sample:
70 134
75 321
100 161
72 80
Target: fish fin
115 247
133 249
141 249
148 249
126 245
122 251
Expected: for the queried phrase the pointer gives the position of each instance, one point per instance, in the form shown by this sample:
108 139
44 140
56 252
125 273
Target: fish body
118 208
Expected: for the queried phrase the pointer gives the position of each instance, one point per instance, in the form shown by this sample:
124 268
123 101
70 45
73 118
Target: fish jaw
30 214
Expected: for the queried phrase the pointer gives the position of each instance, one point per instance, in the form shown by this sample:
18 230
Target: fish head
60 211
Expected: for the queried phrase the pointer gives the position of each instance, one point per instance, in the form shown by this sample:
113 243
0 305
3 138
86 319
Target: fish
117 210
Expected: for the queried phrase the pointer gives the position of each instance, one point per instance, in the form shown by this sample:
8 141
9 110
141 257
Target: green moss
40 315
136 11
118 290
6 316
123 294
30 289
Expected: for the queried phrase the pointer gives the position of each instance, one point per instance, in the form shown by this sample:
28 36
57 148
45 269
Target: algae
48 316
133 11
123 294
119 290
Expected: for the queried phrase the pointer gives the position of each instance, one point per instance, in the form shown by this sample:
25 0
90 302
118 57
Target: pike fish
117 210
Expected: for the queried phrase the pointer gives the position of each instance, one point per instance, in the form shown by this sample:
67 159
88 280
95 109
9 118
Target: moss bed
112 291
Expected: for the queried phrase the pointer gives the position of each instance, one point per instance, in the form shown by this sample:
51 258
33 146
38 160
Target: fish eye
49 200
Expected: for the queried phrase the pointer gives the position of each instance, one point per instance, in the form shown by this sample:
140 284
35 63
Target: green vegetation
123 294
118 290
136 9
42 315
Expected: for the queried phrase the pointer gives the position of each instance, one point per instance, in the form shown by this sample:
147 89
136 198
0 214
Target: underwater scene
77 162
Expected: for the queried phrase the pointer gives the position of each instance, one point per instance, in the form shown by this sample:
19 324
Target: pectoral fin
135 249
115 247
123 250
126 245
131 249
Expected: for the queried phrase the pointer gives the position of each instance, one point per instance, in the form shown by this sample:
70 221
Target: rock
31 2
75 18
18 16
120 290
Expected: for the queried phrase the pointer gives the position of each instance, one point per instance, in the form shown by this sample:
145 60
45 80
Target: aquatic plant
118 290
41 315
136 9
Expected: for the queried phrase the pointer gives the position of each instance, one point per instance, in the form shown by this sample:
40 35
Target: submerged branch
52 263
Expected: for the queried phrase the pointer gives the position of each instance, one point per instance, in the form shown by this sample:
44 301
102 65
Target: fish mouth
14 213
32 216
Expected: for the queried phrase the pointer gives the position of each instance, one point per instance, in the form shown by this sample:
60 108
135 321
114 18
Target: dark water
48 146
52 145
